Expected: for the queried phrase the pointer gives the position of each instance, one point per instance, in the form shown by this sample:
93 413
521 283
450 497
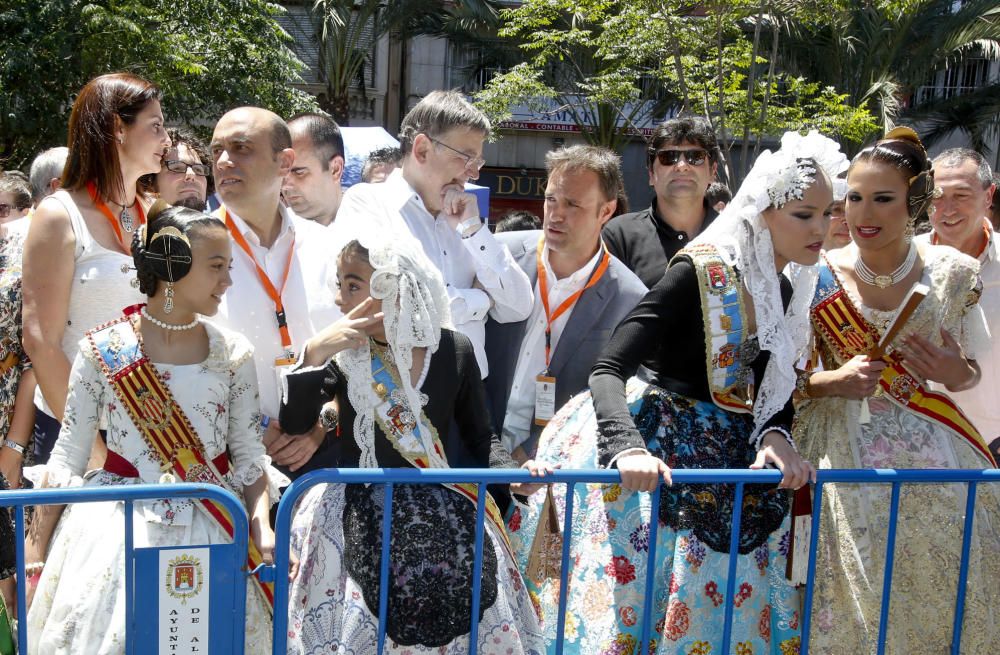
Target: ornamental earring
168 305
910 230
121 140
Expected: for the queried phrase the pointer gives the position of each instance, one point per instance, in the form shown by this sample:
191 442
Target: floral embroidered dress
79 605
853 533
337 528
678 422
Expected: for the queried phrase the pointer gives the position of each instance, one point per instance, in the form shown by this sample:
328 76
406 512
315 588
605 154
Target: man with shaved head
280 296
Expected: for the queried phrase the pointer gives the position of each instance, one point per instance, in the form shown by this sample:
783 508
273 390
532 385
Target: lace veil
741 235
416 307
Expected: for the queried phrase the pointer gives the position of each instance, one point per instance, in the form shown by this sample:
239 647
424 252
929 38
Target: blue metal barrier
130 494
739 477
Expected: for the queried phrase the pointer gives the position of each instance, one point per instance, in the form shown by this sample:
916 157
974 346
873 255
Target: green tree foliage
617 63
340 28
880 52
207 55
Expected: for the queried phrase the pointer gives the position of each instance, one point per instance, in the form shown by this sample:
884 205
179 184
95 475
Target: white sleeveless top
102 286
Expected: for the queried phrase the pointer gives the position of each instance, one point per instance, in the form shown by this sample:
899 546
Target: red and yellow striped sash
161 421
842 326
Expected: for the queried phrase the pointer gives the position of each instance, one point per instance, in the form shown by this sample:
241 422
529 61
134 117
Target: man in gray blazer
581 294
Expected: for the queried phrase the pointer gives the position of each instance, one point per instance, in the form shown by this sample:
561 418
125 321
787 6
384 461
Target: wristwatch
13 445
329 417
469 226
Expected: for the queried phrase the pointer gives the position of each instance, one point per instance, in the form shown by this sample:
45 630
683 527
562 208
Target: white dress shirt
308 296
980 402
531 358
393 208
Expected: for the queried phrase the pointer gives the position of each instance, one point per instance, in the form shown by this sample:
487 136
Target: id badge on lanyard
545 398
545 384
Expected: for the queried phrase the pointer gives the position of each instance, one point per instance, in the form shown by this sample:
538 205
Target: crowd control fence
156 577
171 593
740 477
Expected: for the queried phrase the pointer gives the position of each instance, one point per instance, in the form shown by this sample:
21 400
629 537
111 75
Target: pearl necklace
869 277
168 326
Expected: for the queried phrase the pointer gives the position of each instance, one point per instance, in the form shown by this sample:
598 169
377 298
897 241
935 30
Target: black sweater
665 331
455 398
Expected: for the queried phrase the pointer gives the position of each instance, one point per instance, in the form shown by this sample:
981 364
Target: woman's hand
946 364
538 470
795 471
349 331
642 471
263 537
10 466
856 379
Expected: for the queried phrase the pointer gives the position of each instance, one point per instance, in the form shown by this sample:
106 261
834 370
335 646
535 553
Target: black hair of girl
906 153
167 258
355 248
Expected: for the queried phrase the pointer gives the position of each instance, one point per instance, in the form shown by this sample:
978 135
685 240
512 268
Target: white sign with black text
183 607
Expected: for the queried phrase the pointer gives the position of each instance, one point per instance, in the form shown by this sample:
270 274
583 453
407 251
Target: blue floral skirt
610 539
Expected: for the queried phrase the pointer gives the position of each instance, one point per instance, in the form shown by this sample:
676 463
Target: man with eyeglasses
441 139
185 178
682 160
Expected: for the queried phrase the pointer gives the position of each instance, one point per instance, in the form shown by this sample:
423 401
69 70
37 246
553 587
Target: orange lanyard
543 287
104 209
265 281
986 233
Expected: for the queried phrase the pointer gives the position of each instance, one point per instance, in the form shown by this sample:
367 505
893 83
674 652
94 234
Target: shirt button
444 252
482 247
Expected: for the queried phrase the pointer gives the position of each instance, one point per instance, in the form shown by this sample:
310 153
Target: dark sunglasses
178 166
671 157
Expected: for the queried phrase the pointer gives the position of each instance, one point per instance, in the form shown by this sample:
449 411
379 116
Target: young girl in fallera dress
400 377
206 428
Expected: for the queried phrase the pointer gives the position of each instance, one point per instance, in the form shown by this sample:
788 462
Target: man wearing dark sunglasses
682 160
185 178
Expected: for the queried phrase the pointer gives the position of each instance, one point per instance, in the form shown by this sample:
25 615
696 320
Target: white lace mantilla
415 305
741 236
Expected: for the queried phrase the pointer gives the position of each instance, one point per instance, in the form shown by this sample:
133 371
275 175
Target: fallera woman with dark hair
180 398
875 409
77 265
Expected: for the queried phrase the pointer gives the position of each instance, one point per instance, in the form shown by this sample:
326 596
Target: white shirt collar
577 278
399 191
990 254
287 226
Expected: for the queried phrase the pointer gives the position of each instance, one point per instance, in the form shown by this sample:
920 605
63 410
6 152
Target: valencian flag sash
725 319
844 328
401 428
162 422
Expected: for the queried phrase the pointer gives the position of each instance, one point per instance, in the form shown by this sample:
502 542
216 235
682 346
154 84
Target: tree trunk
751 80
337 103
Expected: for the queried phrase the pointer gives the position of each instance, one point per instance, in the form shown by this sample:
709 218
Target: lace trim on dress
741 235
415 306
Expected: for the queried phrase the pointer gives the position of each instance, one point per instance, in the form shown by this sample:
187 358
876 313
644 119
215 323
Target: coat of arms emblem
185 577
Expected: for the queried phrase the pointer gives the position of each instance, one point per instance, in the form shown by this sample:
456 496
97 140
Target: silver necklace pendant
884 281
126 218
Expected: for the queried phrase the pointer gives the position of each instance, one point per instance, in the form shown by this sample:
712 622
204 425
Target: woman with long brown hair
77 266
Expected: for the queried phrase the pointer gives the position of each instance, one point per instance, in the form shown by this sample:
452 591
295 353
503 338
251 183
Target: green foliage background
207 55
